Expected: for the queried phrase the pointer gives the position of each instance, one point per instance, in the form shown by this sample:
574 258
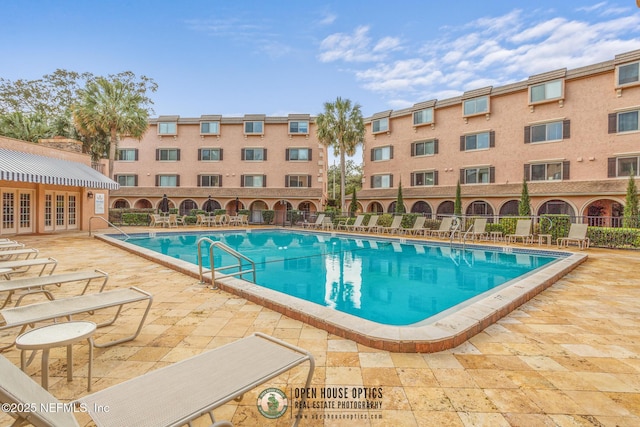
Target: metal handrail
125 234
455 226
237 255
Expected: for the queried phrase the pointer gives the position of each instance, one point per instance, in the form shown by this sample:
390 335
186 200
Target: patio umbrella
237 203
209 205
164 204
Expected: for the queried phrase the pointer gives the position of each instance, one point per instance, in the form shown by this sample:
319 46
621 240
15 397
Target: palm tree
110 108
341 126
25 126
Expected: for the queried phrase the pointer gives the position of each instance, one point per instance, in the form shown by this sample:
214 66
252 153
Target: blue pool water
375 279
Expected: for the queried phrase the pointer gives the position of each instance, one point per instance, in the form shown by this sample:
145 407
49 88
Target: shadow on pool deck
569 356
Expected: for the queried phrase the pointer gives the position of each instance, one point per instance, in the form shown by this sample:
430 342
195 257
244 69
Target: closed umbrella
164 204
209 205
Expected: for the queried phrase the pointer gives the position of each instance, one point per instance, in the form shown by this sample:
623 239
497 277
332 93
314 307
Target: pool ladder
213 270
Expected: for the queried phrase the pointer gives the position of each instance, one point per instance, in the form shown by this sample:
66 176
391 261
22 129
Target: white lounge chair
170 396
393 228
523 232
578 235
356 224
316 224
372 225
418 227
8 268
479 229
15 254
28 315
444 229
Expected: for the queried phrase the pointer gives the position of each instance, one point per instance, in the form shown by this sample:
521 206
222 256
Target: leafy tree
631 212
354 204
25 126
399 201
341 127
457 205
111 107
524 205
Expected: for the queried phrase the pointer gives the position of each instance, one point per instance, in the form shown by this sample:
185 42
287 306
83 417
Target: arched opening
445 208
121 204
256 209
211 205
556 207
281 209
479 208
358 208
392 208
233 206
604 213
510 208
376 207
422 207
143 204
187 206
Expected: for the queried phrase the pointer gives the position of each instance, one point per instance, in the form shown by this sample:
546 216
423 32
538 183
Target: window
628 73
209 180
168 154
382 153
300 127
167 128
297 181
300 154
167 180
424 148
423 117
128 154
380 125
210 154
253 181
628 121
481 175
553 131
545 91
474 106
546 172
255 154
127 180
478 141
624 166
424 178
253 127
382 181
209 128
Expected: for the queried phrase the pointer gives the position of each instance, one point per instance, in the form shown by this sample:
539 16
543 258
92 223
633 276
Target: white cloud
356 47
327 19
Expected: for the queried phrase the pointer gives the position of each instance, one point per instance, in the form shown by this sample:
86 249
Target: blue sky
280 57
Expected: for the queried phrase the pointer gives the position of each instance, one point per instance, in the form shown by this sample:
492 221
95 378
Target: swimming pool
372 289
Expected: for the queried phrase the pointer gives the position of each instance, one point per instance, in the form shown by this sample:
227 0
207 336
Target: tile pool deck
568 357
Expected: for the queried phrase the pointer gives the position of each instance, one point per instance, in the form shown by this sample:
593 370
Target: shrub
408 220
268 216
135 218
556 225
610 237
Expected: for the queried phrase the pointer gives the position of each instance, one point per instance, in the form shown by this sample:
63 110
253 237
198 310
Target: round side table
57 335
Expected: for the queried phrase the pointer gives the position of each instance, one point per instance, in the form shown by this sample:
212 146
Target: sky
280 57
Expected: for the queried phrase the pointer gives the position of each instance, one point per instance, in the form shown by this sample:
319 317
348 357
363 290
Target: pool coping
443 333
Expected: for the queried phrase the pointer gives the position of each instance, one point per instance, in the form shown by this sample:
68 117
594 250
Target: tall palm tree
341 126
25 126
110 108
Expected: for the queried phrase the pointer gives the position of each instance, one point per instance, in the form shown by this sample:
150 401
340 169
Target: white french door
17 213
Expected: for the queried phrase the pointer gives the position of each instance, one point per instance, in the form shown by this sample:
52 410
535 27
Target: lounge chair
393 228
27 315
577 234
372 225
327 223
316 224
356 224
479 229
9 245
15 254
418 227
444 229
22 266
37 284
170 396
523 231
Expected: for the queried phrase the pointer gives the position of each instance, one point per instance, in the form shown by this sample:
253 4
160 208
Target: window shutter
492 139
527 134
371 186
435 146
565 170
264 180
566 129
462 176
527 172
310 152
309 181
613 123
178 154
391 152
221 154
199 180
157 180
264 153
199 153
241 180
391 181
219 180
135 179
413 179
492 174
242 154
286 154
611 167
286 181
157 154
372 155
413 149
435 177
136 154
462 143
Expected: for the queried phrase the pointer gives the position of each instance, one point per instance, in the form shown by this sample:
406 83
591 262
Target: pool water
378 279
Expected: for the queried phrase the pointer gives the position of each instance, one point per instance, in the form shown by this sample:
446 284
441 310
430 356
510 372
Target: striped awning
27 167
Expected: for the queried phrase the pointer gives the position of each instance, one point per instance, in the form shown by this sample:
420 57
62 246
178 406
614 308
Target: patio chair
181 220
15 254
172 221
356 224
393 228
577 234
243 219
479 229
444 229
10 245
27 315
158 220
523 231
173 395
371 226
418 227
316 224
